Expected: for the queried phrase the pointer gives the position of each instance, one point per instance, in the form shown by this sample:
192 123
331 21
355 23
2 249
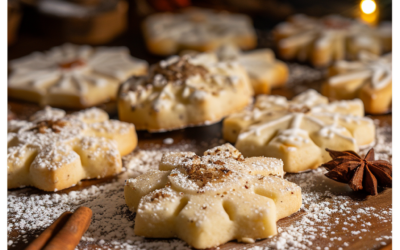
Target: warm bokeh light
368 6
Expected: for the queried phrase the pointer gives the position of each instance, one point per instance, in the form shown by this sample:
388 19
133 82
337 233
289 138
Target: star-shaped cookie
197 29
72 76
212 199
182 91
325 40
298 131
54 151
369 78
264 70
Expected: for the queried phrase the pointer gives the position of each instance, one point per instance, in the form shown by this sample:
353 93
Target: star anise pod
361 174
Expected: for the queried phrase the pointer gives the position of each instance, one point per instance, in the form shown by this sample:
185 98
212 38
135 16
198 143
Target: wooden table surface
201 137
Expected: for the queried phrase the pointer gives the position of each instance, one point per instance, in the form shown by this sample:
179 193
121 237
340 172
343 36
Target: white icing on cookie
326 39
377 69
73 69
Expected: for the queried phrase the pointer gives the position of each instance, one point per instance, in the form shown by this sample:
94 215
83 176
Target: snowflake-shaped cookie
54 151
72 76
264 70
184 91
298 131
369 78
212 199
324 40
197 29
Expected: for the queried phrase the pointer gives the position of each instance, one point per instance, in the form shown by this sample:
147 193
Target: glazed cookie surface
298 131
197 29
54 151
325 40
212 199
369 78
72 76
264 70
184 91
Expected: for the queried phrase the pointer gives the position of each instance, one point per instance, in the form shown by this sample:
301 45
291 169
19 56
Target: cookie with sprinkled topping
298 131
54 151
369 78
182 91
197 29
322 41
72 76
211 199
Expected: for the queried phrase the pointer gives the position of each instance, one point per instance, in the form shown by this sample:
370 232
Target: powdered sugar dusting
323 210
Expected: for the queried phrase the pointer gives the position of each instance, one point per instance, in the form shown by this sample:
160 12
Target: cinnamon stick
50 232
70 235
65 233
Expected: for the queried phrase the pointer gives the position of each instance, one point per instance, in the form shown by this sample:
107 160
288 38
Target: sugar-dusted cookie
265 72
72 76
322 41
184 91
54 151
212 199
298 131
369 78
197 29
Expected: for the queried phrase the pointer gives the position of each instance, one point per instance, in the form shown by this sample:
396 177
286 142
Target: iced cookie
197 29
369 78
54 151
212 199
325 40
298 131
72 76
265 72
184 91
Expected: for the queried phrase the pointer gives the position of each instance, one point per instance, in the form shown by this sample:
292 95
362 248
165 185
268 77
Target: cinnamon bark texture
65 233
361 174
52 230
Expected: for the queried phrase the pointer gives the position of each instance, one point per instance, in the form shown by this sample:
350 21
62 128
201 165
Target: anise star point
360 173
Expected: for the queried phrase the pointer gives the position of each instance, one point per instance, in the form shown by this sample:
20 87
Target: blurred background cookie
369 78
81 21
197 29
72 76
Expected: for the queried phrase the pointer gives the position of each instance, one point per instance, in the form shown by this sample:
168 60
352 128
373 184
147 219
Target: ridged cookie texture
327 39
264 70
197 29
72 76
298 131
54 151
211 199
369 78
184 91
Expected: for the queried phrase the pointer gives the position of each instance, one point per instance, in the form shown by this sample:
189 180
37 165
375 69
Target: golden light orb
368 6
